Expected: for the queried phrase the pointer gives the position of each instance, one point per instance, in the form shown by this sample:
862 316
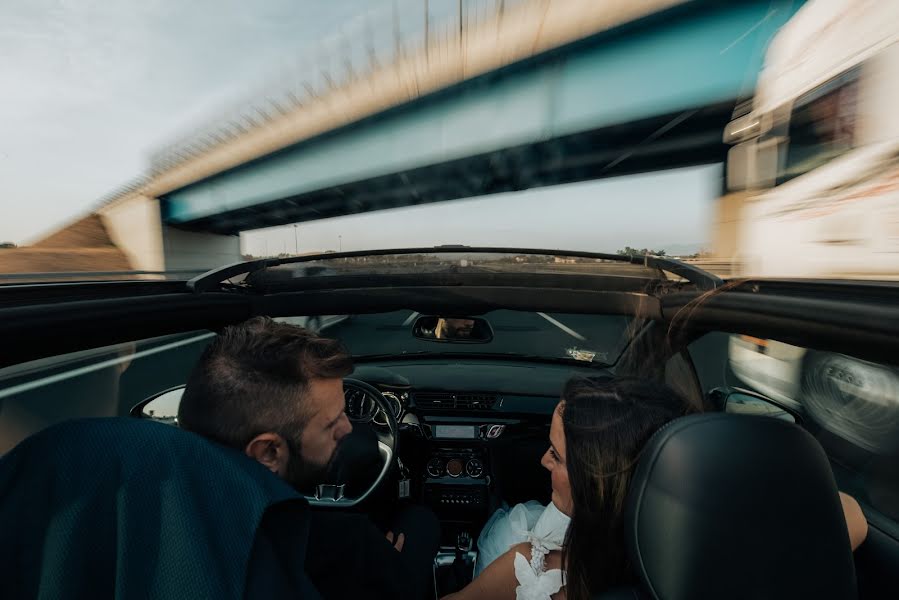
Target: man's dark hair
252 379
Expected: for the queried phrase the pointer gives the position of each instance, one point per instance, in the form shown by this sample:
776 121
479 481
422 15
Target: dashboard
471 430
430 387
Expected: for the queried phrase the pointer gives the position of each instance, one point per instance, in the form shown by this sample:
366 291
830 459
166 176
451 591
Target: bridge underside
688 138
652 96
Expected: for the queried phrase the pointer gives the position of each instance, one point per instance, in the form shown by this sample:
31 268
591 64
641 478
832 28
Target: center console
456 480
456 476
456 487
456 483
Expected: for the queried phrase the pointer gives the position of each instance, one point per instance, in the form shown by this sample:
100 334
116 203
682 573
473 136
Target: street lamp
296 240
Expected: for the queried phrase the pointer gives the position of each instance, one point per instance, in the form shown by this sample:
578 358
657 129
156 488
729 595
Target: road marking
410 319
30 385
563 327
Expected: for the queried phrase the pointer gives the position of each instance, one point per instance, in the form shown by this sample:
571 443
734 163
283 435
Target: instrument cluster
361 407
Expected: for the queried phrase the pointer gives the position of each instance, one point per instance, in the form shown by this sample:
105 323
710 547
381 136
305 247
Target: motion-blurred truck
816 154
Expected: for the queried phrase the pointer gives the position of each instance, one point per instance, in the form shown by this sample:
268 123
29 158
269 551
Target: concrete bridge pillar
135 226
190 250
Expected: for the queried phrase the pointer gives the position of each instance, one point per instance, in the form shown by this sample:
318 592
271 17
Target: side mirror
453 330
162 407
742 402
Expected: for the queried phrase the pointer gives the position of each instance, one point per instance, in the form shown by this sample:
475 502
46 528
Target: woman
596 435
597 432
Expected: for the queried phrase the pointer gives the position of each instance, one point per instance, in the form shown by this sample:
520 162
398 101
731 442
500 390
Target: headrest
122 506
735 506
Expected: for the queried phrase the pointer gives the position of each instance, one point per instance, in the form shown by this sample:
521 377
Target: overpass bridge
528 93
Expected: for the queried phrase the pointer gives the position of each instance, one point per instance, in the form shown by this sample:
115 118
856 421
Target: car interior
458 371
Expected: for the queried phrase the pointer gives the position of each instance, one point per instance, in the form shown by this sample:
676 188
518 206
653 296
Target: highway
540 334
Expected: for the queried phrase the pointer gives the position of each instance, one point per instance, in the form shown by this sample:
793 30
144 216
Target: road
549 335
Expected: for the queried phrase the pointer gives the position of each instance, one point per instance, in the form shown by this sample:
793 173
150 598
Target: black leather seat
732 506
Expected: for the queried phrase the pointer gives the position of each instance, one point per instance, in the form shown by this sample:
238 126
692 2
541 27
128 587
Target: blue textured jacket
128 508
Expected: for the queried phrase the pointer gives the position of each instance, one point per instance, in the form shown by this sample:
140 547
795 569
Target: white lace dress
545 534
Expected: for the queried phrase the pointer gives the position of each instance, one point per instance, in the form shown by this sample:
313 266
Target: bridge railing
373 41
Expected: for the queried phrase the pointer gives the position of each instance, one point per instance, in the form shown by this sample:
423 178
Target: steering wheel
332 495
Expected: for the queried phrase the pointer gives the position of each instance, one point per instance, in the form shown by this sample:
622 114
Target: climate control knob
474 468
435 467
454 467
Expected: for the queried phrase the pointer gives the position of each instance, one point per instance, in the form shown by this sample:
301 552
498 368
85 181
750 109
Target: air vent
444 400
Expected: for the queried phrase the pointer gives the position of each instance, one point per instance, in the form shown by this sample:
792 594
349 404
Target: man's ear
271 451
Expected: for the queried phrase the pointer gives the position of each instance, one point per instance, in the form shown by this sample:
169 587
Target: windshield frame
255 273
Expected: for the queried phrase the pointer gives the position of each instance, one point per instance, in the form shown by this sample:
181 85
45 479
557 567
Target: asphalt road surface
541 334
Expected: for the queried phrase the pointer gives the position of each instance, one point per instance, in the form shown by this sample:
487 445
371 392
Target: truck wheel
854 399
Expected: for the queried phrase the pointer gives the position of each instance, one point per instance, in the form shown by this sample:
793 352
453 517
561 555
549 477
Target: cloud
91 86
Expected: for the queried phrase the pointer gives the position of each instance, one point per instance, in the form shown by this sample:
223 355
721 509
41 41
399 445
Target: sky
92 87
670 210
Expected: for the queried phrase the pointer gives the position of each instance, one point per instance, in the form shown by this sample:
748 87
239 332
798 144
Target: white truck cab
819 148
818 154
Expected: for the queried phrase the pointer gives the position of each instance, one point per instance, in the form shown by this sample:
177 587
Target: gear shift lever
463 543
462 567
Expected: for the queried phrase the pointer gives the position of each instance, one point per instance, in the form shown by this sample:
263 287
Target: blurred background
154 139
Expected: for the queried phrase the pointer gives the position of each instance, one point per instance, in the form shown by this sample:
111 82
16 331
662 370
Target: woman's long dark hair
607 422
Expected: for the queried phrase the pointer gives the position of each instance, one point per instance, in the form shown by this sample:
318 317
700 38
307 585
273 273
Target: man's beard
302 475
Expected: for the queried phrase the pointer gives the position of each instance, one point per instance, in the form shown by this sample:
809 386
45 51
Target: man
453 328
275 392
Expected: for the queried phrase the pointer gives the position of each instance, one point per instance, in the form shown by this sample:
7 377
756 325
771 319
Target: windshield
588 339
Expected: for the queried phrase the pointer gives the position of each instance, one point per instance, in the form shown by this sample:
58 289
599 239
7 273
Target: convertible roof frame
859 318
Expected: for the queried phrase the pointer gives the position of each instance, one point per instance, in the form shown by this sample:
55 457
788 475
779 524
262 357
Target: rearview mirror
456 330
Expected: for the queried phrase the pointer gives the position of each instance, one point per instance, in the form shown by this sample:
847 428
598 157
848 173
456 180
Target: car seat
735 506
